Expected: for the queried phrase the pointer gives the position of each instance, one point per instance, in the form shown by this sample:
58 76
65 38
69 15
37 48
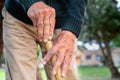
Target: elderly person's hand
43 18
63 48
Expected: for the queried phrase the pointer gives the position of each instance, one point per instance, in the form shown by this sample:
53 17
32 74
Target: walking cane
57 76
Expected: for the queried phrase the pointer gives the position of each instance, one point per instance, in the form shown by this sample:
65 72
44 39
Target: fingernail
63 75
39 65
50 37
45 40
40 40
43 62
54 72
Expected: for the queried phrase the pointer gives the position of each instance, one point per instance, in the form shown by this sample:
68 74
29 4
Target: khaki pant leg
72 73
20 49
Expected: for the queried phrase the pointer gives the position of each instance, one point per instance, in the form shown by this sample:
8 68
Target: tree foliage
102 16
102 24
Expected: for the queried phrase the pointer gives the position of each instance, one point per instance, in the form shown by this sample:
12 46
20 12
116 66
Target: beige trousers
20 42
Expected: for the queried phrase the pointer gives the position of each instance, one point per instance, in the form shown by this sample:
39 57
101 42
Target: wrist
69 34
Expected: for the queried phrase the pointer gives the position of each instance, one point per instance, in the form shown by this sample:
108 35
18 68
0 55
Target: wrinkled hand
63 48
43 18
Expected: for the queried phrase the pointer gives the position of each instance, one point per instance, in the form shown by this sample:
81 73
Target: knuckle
36 14
40 32
52 26
40 35
53 10
70 56
46 28
51 34
58 58
40 28
39 24
51 31
41 14
46 59
46 33
46 10
66 62
46 24
58 63
31 15
52 20
41 11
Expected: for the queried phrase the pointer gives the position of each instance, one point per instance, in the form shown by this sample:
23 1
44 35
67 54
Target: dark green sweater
69 13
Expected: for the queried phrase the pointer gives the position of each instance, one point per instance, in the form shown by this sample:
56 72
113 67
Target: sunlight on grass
2 75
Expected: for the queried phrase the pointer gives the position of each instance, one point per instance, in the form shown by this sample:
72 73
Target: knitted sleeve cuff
73 25
27 3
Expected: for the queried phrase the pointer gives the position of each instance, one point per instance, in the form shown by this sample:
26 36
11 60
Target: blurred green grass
2 74
84 73
94 73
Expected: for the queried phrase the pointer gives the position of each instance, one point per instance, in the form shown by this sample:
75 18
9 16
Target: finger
59 61
52 24
35 24
50 53
33 18
66 64
46 27
40 28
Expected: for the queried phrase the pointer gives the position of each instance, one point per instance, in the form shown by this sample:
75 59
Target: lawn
2 74
85 73
94 73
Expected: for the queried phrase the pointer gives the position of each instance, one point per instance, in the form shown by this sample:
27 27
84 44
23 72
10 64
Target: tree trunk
114 71
102 49
107 55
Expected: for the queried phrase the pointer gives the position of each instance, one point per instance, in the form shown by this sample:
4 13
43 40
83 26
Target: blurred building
95 57
90 58
116 56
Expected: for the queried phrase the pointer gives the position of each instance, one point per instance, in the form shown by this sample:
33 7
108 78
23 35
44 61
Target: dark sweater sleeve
75 14
26 4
